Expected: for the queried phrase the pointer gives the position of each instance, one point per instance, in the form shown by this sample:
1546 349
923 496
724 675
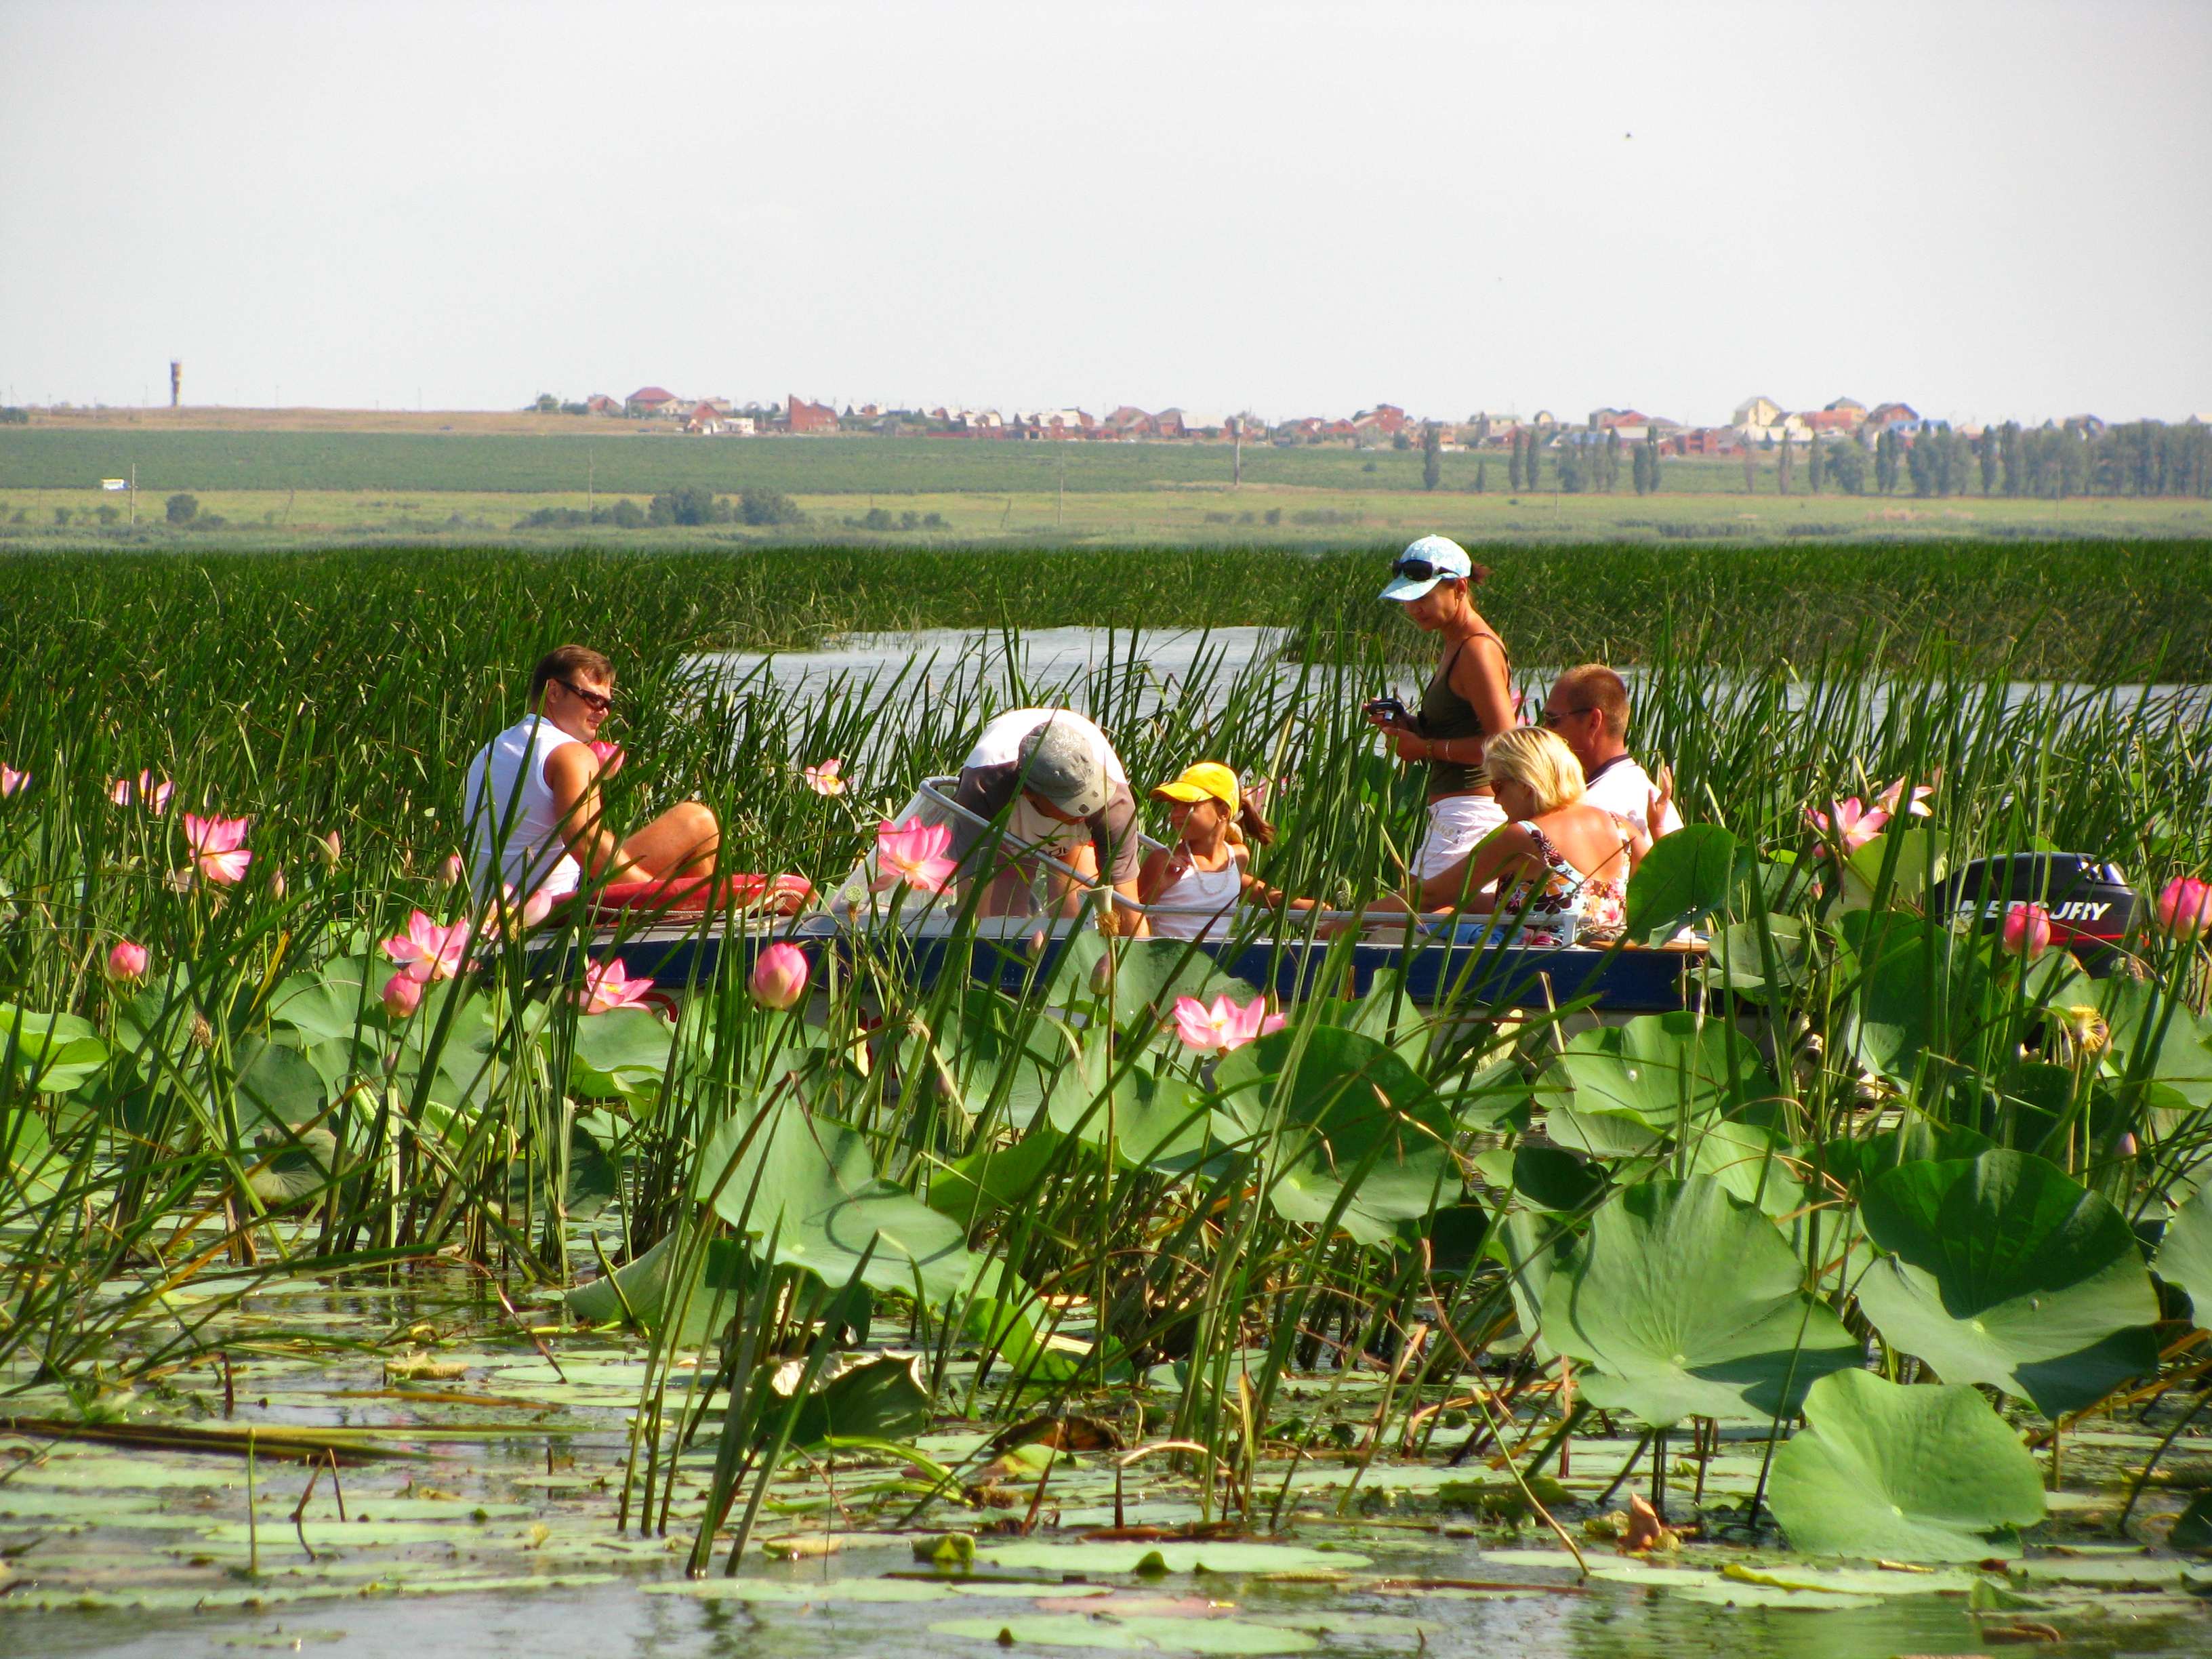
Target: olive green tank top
1445 714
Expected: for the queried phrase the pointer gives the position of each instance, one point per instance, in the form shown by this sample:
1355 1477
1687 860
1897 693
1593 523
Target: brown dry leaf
409 1367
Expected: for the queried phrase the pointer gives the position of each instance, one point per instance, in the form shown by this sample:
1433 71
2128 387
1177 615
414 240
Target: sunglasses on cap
1419 571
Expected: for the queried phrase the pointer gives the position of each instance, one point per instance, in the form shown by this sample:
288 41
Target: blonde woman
1561 864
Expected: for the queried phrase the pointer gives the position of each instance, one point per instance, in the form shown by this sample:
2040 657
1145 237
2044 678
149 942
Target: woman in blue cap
1466 703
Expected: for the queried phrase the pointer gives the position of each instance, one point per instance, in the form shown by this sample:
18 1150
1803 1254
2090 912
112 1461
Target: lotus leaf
1739 959
2184 1252
1345 1105
1040 1555
2000 1269
1684 878
54 1053
811 1183
622 1052
1158 1122
1142 1633
1688 1302
278 1083
993 1178
1853 1161
879 1399
1554 1180
334 1001
1927 1472
2164 1044
1653 1069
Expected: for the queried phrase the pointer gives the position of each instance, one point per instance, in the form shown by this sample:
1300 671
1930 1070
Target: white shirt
532 857
1623 789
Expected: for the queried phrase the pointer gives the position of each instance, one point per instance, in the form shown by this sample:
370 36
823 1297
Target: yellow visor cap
1208 780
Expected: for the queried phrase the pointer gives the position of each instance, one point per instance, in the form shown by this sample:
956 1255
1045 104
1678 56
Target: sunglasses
1419 571
1551 718
598 701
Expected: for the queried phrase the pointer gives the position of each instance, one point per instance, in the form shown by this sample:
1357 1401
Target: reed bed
1076 1213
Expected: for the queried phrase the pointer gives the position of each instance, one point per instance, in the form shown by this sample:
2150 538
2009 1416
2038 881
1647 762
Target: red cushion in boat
783 894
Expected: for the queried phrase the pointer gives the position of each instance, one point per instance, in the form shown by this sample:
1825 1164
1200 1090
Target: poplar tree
1815 464
1782 471
1432 456
1513 470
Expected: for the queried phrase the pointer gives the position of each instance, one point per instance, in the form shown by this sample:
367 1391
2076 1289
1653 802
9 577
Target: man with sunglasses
1466 703
532 798
1589 709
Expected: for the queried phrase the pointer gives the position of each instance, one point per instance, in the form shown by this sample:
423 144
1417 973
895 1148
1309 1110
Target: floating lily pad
1927 1474
778 1590
1102 1556
1733 1594
1075 1630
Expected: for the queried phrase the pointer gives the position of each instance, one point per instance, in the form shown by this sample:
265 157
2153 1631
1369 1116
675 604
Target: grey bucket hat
1059 763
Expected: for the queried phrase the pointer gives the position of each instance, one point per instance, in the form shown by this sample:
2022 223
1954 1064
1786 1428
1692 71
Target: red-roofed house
1129 421
600 403
1386 418
804 417
651 400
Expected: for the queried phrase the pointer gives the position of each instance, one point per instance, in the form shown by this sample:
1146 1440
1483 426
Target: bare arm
572 774
1496 855
1478 674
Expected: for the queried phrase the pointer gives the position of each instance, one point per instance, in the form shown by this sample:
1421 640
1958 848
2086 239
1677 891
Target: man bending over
532 796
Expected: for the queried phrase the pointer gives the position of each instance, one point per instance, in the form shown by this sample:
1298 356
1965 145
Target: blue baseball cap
1424 564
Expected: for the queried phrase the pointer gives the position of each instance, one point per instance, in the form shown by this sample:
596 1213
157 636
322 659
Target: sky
1989 211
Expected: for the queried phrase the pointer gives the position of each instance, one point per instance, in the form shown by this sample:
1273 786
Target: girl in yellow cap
1191 887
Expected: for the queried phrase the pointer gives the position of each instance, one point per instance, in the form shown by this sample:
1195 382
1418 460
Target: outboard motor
2090 903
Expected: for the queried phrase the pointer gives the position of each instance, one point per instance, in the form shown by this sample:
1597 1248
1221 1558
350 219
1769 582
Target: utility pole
1237 478
134 495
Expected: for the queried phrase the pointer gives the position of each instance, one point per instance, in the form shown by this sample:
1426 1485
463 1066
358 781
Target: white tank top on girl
1198 902
532 857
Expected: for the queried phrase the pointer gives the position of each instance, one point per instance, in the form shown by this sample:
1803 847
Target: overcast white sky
1987 210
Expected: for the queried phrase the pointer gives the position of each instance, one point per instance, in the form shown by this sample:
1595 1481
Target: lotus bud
276 881
1102 975
454 870
780 975
126 963
2185 907
403 995
2025 931
1040 936
329 847
2125 1146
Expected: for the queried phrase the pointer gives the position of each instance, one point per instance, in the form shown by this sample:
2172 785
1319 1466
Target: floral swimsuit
1561 906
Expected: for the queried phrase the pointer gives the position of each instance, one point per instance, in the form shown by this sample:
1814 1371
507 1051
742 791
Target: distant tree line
2051 462
691 504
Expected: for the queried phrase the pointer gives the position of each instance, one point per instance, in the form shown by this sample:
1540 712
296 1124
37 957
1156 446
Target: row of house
1758 422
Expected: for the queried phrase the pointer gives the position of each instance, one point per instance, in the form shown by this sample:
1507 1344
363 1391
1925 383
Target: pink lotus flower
456 871
2184 909
780 975
126 963
1224 1025
1850 826
2025 931
536 908
403 995
915 855
1888 800
607 987
214 845
427 952
147 791
609 755
11 780
823 780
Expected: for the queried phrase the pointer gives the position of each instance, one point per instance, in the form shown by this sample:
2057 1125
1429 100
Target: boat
685 935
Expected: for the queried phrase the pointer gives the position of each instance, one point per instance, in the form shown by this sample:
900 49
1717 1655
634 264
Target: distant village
1759 423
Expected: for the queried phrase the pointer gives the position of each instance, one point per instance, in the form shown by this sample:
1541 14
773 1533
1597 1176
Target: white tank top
526 836
1196 900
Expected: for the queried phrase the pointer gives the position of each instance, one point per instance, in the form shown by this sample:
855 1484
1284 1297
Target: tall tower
176 382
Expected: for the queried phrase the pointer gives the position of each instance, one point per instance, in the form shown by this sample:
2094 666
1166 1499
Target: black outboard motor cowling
2090 902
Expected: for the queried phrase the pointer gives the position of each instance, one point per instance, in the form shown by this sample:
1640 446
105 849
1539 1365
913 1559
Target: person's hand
1663 797
1411 746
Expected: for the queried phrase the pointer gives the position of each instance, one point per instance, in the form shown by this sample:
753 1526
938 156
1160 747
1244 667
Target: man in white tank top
532 802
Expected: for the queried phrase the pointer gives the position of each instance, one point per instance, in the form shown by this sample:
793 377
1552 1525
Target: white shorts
1456 824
